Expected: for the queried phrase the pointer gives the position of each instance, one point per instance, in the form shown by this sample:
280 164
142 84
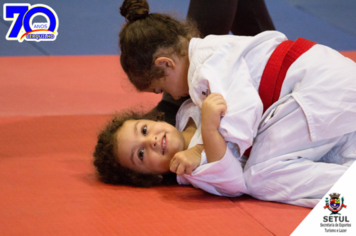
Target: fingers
216 98
180 166
185 162
183 169
223 109
173 166
215 95
180 170
217 102
177 167
188 170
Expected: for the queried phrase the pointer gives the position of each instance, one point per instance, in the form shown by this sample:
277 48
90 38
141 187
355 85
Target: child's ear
164 62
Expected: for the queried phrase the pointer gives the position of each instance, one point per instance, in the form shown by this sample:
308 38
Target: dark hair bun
134 9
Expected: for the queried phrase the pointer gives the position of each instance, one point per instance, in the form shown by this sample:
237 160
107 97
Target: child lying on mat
143 151
294 101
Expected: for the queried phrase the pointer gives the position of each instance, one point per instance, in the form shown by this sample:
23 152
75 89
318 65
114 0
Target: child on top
295 101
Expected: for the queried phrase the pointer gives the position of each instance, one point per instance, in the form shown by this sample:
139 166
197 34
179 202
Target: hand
213 107
185 162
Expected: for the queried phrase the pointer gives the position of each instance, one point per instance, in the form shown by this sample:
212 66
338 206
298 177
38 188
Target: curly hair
143 35
109 169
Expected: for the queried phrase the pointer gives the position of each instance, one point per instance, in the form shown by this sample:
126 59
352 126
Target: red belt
276 69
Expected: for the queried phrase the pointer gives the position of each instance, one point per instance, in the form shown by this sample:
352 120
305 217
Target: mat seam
254 218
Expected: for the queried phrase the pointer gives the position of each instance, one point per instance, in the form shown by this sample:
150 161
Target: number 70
22 15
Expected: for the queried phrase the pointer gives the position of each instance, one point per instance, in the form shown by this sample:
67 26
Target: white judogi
313 122
286 178
232 66
310 122
224 177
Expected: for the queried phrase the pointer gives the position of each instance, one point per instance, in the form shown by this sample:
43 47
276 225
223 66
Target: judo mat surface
56 96
48 126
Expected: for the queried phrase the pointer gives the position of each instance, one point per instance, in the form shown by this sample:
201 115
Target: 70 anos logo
22 28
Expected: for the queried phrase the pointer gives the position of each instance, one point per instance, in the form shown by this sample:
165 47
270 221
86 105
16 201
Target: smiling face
147 146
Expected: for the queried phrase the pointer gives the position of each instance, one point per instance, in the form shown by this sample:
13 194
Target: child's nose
154 141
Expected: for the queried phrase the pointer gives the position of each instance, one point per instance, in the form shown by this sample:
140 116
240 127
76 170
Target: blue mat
91 27
294 18
339 13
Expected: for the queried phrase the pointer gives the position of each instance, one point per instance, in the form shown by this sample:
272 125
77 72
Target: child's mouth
163 144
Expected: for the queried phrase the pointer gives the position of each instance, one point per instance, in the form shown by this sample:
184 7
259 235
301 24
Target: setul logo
335 205
22 28
335 222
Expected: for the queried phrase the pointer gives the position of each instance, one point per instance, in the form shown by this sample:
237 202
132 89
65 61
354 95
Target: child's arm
185 162
220 66
213 107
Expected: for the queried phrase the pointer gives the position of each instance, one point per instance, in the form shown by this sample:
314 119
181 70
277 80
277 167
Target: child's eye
140 154
144 130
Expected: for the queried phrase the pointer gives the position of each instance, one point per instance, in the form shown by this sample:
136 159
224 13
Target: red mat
51 111
59 85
